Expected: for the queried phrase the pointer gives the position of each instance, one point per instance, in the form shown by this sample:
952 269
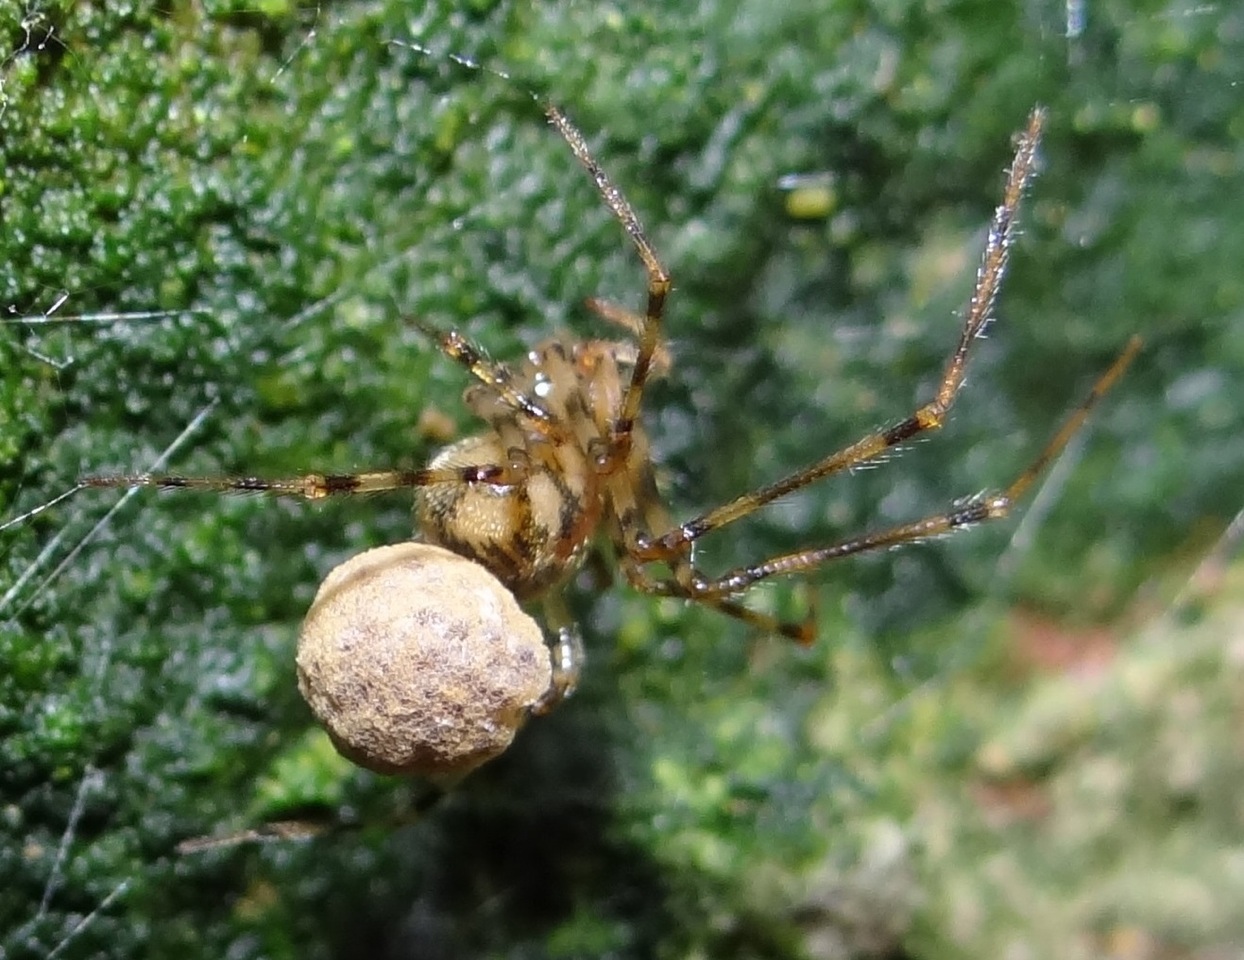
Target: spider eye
419 661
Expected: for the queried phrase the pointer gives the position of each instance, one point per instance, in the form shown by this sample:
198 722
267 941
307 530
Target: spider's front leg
979 509
928 417
659 284
673 548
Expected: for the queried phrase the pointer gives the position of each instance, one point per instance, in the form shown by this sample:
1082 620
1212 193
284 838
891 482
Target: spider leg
802 632
317 486
658 282
636 487
658 277
495 376
987 506
307 828
632 322
567 655
928 417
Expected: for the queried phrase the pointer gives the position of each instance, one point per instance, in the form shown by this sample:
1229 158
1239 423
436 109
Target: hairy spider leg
632 486
567 653
977 509
932 415
316 486
658 284
656 517
494 376
659 281
311 827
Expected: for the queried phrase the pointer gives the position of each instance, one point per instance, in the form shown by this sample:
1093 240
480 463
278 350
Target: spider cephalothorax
542 478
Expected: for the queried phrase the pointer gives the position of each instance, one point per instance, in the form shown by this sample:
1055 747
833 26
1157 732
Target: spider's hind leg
317 486
802 631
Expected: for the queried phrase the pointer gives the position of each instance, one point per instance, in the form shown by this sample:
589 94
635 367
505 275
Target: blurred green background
1023 741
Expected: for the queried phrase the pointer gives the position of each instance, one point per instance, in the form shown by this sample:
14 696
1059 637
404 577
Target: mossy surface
282 184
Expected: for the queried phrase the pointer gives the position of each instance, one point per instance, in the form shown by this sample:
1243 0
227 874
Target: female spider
564 457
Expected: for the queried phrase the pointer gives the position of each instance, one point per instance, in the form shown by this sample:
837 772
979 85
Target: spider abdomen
530 533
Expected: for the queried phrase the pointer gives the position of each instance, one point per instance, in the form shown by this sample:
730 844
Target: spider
563 456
